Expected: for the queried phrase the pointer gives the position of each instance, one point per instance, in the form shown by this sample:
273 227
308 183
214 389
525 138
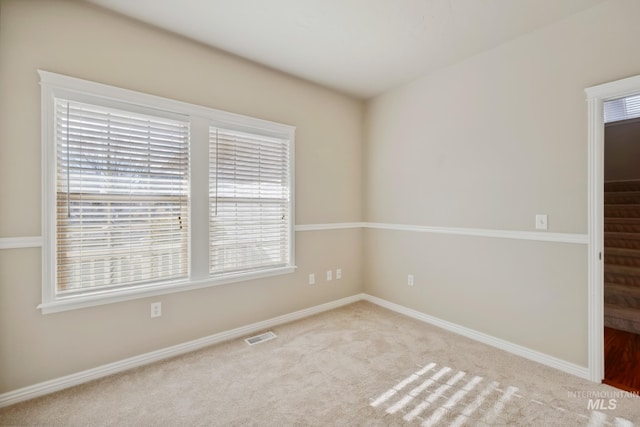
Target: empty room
312 213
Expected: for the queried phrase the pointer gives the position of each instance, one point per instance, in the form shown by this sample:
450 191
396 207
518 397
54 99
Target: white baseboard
527 353
67 381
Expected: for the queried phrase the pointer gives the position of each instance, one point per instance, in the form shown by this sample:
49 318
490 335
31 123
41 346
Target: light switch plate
541 222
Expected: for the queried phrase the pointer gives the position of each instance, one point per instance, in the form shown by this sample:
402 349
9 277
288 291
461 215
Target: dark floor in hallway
622 359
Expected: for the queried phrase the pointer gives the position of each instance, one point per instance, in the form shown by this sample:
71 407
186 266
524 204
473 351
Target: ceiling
360 47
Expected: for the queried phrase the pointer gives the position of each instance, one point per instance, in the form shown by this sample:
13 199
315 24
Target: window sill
84 301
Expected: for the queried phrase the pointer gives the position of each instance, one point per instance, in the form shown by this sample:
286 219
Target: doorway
622 243
610 263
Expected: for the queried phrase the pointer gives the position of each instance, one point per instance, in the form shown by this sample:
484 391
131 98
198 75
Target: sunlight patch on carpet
440 395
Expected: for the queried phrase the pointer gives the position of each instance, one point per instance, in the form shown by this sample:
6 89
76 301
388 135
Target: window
622 109
128 181
122 198
249 201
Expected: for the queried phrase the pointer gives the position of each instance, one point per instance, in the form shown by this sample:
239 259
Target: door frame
596 96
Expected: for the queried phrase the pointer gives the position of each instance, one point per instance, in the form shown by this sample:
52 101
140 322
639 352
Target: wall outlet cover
156 309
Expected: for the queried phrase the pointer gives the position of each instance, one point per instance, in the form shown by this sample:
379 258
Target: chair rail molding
20 242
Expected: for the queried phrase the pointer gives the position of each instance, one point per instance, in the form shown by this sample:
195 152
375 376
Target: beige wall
76 39
488 143
622 151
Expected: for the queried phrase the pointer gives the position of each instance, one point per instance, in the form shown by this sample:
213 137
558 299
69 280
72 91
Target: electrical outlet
329 275
410 280
156 309
312 279
339 274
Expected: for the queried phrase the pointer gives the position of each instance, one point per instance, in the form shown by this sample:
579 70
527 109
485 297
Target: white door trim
596 95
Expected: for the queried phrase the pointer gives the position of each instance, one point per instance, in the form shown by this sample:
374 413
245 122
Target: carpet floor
359 365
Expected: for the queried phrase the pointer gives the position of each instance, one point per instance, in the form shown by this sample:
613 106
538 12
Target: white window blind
122 194
622 109
249 193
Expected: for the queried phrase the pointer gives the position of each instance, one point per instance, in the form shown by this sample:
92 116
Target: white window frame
60 86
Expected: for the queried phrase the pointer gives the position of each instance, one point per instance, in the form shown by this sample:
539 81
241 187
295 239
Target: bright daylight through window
126 177
622 109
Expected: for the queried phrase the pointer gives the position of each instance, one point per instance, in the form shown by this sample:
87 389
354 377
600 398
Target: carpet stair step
622 243
622 197
615 239
623 275
622 279
623 225
622 295
622 318
631 185
622 235
622 220
622 211
622 256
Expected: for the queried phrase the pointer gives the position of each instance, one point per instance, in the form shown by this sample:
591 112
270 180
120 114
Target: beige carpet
359 365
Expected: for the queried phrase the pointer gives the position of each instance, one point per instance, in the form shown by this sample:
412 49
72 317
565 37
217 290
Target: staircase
622 255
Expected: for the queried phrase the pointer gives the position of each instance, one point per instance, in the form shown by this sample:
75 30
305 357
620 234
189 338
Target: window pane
622 109
122 198
249 201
